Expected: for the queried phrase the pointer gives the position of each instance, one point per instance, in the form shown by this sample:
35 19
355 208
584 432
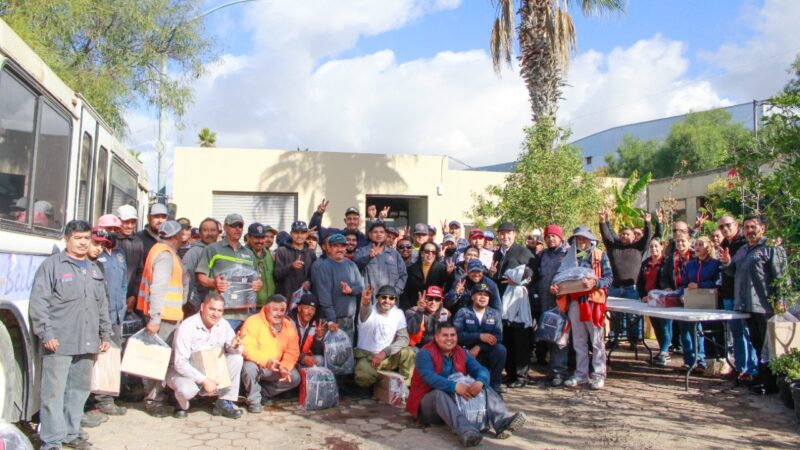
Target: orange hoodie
261 345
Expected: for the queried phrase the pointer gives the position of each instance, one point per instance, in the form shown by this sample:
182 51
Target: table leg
649 350
727 354
610 344
694 362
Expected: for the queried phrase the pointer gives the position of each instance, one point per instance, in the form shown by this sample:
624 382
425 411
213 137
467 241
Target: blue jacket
709 273
115 270
469 328
424 365
454 302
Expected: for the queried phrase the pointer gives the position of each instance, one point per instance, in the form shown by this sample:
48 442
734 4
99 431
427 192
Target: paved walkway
642 407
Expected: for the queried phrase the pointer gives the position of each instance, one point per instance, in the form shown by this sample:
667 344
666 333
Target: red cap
554 229
434 291
476 233
99 234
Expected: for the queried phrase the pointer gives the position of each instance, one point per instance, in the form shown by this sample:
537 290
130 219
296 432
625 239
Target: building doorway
404 210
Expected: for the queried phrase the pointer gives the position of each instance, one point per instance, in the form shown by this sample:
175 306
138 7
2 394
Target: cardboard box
106 372
571 287
700 298
212 363
146 360
783 336
389 388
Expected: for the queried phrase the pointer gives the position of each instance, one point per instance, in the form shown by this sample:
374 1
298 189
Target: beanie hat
554 229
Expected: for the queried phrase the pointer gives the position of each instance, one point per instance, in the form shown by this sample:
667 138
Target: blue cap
299 225
337 238
474 264
488 235
481 287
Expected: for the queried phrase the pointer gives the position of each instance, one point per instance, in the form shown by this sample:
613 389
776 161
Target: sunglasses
429 251
403 247
100 233
387 297
433 299
236 225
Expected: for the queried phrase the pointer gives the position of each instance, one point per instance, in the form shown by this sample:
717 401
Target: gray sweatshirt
387 268
326 278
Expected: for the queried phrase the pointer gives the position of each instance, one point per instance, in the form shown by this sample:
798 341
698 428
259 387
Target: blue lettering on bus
16 275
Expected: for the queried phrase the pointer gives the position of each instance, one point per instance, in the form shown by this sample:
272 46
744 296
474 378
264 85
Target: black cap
387 290
299 225
256 230
376 224
506 226
481 287
352 210
308 299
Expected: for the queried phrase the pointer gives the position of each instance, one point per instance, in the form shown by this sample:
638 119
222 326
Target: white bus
58 161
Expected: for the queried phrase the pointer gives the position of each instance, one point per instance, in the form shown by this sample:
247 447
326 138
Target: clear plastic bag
339 353
240 294
296 296
147 339
318 389
132 324
553 327
664 298
570 271
12 438
475 408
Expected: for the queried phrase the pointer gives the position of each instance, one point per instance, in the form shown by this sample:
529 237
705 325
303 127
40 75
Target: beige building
689 192
276 187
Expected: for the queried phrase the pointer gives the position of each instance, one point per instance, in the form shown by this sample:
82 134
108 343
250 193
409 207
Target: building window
588 160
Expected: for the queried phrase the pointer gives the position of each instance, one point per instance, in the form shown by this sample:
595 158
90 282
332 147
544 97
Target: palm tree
207 138
547 39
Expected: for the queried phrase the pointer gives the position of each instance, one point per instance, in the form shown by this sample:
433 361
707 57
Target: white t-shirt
480 315
378 331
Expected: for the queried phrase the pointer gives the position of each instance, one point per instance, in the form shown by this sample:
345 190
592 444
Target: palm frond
602 7
641 184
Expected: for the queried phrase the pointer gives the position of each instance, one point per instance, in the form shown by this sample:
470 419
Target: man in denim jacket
480 331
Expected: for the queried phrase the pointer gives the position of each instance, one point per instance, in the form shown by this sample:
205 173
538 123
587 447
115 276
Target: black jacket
515 256
134 261
727 288
664 280
437 276
625 259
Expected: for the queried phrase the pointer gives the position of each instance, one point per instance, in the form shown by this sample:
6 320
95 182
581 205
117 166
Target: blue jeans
744 354
625 324
663 330
689 354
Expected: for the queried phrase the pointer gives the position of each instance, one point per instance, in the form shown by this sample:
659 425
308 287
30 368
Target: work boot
158 410
93 418
112 409
226 408
471 439
78 443
515 423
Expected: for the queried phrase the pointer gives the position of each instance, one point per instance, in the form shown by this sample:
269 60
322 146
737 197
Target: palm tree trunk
538 64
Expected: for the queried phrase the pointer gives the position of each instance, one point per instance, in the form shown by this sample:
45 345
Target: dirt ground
642 407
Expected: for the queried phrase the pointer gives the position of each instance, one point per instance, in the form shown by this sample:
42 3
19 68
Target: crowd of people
409 302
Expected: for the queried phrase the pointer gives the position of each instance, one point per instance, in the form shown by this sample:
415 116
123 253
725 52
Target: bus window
52 163
123 186
17 121
83 176
100 183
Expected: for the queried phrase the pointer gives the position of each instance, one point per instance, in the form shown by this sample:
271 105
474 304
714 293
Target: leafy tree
625 215
112 52
548 185
207 138
770 170
633 155
547 39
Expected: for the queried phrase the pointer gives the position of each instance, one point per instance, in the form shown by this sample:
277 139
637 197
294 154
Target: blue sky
414 76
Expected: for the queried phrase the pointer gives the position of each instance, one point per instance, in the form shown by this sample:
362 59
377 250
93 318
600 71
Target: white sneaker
598 383
574 382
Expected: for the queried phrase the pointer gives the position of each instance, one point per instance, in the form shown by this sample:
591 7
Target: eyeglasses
100 233
726 225
403 247
387 297
431 252
236 225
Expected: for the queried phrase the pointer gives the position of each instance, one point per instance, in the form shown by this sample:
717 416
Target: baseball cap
387 290
21 204
506 226
308 299
109 221
127 212
488 235
392 230
337 238
299 225
195 232
376 224
256 230
434 291
454 223
185 223
481 287
169 229
431 229
449 238
536 234
476 233
99 234
231 219
420 228
474 265
352 210
158 209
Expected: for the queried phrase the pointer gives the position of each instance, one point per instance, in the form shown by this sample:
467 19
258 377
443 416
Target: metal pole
161 148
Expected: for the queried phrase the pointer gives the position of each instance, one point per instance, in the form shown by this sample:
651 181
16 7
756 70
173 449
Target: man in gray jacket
380 264
69 314
336 282
755 267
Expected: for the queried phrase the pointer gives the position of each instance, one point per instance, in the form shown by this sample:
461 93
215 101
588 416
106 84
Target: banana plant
625 215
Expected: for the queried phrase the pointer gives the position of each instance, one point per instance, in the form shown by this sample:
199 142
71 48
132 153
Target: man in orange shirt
271 351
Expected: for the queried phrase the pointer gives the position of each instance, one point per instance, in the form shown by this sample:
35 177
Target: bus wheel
10 379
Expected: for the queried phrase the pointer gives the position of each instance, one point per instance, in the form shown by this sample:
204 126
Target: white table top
637 307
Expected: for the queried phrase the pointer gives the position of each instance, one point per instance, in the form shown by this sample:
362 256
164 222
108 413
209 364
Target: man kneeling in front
432 396
206 331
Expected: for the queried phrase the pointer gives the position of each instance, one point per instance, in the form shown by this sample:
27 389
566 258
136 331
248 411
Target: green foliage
548 185
625 215
785 363
112 52
770 174
207 138
704 140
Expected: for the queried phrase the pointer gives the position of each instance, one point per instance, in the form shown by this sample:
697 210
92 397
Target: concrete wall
688 188
343 178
